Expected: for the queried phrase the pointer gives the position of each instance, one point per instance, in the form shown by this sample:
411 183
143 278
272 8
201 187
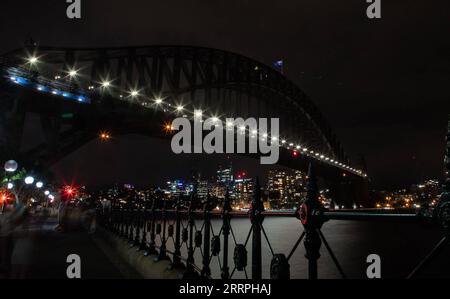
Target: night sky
382 84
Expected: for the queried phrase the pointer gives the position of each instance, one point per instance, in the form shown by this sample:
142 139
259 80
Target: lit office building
178 187
243 192
202 189
224 180
285 188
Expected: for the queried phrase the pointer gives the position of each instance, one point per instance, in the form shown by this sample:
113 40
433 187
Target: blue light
42 88
22 81
278 63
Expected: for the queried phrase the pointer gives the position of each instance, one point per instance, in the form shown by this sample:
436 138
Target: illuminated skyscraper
202 189
285 188
178 187
224 180
225 176
243 191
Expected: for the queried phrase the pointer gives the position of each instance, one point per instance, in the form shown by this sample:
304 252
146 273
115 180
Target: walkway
50 250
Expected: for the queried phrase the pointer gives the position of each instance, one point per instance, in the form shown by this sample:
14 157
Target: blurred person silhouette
6 241
61 212
21 256
88 215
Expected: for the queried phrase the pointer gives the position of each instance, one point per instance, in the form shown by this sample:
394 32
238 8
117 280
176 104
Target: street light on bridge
105 136
73 73
106 84
32 60
168 128
198 113
134 93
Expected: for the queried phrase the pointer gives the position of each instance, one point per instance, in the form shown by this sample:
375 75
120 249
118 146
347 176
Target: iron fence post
256 217
143 245
121 221
129 226
176 261
190 271
206 270
226 233
311 215
138 221
132 224
115 218
151 247
163 249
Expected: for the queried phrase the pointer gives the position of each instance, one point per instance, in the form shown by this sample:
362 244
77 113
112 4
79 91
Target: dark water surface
400 246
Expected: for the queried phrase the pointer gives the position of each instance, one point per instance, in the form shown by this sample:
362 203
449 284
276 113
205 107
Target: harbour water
351 241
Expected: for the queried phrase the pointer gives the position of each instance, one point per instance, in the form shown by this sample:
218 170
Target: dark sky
382 84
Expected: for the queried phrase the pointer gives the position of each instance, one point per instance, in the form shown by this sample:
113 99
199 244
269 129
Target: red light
295 154
4 197
69 191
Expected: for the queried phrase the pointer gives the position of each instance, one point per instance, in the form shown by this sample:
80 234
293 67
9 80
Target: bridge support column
51 125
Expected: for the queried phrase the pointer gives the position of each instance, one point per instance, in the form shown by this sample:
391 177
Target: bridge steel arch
224 82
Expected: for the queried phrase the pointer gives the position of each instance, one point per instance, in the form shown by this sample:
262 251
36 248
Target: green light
67 116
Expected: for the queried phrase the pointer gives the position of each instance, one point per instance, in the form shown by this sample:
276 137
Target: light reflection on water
283 232
401 247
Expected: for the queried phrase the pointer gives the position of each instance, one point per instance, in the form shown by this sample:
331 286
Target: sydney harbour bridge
79 92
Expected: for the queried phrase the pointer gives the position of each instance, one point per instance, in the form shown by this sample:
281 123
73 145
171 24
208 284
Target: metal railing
142 227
